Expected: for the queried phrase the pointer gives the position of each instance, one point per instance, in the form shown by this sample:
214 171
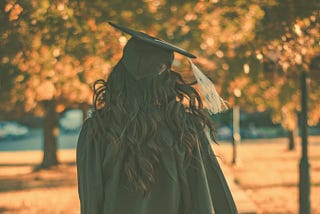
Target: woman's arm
89 171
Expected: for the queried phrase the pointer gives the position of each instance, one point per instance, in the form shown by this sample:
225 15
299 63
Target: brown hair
131 111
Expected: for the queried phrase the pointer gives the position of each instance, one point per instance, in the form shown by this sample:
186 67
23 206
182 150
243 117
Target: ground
266 171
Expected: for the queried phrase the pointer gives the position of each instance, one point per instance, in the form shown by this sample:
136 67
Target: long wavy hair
129 113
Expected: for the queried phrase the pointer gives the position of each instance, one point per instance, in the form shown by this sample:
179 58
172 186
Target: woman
144 150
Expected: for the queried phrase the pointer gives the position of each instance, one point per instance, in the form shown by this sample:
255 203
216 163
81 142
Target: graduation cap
145 56
150 40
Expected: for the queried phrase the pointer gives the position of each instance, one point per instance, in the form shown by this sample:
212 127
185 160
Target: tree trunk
50 134
291 140
293 135
85 111
236 137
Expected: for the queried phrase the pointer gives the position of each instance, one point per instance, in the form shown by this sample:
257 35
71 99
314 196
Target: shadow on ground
61 176
6 209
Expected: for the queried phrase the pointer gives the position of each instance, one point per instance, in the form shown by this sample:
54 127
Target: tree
53 50
55 62
58 50
285 42
293 54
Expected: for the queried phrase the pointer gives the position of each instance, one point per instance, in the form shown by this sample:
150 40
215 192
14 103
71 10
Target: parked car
224 133
3 133
71 120
9 129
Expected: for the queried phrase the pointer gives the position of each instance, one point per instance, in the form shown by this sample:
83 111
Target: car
3 133
71 120
12 130
224 133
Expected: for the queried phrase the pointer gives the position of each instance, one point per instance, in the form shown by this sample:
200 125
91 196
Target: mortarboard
150 40
144 55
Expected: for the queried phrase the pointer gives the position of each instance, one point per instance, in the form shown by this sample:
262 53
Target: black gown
178 189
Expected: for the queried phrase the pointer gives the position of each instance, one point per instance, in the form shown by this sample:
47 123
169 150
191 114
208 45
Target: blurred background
255 51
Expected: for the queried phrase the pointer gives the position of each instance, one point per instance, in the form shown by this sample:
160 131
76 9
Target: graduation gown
178 189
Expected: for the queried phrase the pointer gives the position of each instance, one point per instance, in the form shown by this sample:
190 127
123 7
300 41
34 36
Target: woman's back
180 185
144 150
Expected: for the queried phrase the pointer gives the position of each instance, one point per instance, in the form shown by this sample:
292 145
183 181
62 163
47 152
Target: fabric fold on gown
198 187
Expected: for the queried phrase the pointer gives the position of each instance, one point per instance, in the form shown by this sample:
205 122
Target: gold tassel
213 102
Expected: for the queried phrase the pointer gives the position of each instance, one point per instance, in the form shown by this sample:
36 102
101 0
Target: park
262 56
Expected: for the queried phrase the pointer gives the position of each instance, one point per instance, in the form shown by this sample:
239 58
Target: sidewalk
243 202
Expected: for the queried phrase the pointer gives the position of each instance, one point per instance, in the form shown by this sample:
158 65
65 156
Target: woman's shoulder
93 120
85 131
